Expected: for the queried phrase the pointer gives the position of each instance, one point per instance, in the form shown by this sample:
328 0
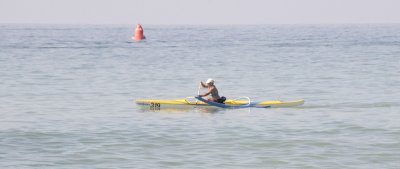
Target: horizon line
194 24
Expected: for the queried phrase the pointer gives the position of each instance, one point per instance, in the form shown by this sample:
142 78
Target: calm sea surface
67 96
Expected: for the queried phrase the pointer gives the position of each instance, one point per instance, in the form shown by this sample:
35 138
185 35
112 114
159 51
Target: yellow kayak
190 102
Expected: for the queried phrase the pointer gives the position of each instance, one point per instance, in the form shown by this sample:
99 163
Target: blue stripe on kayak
230 106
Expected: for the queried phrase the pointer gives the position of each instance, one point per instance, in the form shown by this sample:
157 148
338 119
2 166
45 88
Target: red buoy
139 33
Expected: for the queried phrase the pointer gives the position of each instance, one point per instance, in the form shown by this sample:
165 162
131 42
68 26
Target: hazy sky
199 11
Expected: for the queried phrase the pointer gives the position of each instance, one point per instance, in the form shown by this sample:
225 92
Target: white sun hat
209 81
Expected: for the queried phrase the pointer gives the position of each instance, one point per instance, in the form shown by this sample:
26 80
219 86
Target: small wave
353 105
371 105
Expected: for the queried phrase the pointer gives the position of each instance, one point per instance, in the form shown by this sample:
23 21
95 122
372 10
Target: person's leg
211 99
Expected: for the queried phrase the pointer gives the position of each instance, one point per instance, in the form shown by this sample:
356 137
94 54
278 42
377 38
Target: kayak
194 102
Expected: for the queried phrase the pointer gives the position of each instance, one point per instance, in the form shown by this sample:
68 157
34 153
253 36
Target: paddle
198 90
198 93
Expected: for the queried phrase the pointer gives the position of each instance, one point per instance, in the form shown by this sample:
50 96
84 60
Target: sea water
67 96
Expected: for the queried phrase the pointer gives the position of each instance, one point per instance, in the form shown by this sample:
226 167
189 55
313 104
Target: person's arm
208 93
202 84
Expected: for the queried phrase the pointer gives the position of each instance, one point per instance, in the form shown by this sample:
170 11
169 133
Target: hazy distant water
67 93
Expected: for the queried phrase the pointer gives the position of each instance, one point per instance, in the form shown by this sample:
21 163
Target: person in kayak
212 89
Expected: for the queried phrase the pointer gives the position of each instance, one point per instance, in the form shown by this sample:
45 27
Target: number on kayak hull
155 106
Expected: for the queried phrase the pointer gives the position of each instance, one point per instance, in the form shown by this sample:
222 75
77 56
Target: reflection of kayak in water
200 102
179 109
